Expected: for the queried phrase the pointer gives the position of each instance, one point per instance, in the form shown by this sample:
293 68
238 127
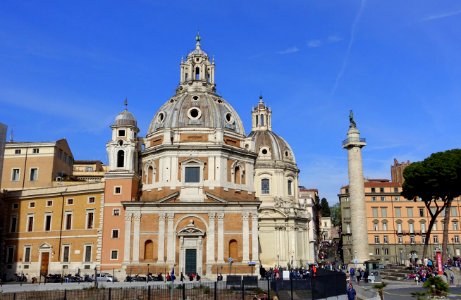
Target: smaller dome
271 146
125 118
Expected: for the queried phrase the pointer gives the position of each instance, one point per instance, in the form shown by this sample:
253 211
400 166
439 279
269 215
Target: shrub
436 286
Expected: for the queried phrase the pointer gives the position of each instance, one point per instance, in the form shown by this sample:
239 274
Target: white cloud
334 39
314 43
441 16
290 50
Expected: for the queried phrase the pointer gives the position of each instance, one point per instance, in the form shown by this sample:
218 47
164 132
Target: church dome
199 109
125 118
196 104
271 146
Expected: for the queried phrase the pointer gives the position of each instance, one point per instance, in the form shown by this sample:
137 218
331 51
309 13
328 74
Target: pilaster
246 237
126 252
220 237
136 227
170 239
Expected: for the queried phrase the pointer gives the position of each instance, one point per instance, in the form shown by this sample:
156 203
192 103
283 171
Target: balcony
354 141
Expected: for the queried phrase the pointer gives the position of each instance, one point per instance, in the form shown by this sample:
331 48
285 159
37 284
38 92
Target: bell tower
261 117
122 184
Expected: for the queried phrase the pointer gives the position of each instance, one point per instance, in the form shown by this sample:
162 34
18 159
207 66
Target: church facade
195 194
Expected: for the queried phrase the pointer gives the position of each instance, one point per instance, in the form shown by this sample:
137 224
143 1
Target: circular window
229 117
264 151
195 97
161 117
194 113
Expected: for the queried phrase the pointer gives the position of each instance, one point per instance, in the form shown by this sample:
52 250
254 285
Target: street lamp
147 273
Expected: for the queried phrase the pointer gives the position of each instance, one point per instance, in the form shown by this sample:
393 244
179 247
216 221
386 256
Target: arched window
197 73
265 186
149 250
262 120
256 119
120 159
150 174
237 176
233 249
290 187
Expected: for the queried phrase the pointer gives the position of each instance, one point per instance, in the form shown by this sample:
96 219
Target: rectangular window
383 198
381 190
265 186
385 239
290 188
423 227
121 132
15 205
375 226
192 174
117 190
116 212
31 204
399 227
456 239
373 199
423 239
397 198
396 190
400 240
376 239
30 223
421 212
89 169
47 222
348 228
412 239
49 203
384 212
35 151
68 225
373 190
386 251
435 239
33 176
384 226
377 251
13 223
398 213
89 220
375 212
434 226
90 200
17 151
88 253
27 254
70 201
10 255
410 212
114 254
115 233
15 175
455 226
454 212
65 253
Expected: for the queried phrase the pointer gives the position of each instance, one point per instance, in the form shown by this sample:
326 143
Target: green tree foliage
436 181
436 286
335 212
325 208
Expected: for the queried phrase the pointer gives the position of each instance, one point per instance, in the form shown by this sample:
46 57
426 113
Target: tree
325 210
435 181
335 212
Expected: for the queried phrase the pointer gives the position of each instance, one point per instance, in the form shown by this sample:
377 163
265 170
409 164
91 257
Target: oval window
264 151
195 97
161 117
229 117
194 113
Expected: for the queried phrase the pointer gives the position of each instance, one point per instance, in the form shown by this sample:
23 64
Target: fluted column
161 237
126 252
210 257
136 226
170 239
246 237
220 237
254 237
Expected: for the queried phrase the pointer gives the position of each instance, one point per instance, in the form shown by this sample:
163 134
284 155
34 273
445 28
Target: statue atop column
351 120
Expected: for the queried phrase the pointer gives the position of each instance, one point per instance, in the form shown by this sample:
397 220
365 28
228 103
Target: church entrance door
191 261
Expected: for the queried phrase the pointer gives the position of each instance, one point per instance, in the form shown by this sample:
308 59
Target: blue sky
66 67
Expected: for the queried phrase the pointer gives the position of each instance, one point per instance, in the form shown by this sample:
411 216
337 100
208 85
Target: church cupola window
290 187
120 159
197 73
192 174
194 113
121 132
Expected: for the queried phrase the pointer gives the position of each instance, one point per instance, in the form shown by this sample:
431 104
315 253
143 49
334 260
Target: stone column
245 237
354 144
161 237
170 255
220 238
254 237
136 225
126 252
210 258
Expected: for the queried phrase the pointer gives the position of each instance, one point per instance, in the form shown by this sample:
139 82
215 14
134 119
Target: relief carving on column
128 217
170 216
245 216
162 216
220 216
137 216
254 216
211 216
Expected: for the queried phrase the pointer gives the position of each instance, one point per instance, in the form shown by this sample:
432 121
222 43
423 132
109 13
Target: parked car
105 277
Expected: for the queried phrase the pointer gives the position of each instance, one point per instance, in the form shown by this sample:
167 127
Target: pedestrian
452 278
182 277
350 292
358 276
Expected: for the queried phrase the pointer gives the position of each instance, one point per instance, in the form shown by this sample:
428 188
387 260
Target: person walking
351 293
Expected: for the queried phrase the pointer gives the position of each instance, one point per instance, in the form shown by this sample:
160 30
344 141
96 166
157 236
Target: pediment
271 213
191 230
